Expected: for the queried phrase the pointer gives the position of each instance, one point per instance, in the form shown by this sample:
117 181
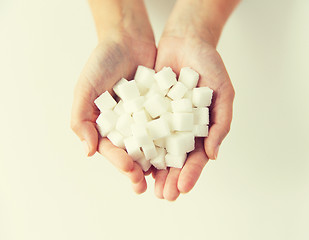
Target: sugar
168 117
115 88
116 138
149 151
105 101
123 125
201 97
165 78
180 142
141 117
134 105
141 135
188 95
160 142
132 148
106 122
144 76
182 105
200 130
175 161
128 91
159 161
155 105
201 116
119 109
144 164
183 121
177 91
155 89
188 77
158 128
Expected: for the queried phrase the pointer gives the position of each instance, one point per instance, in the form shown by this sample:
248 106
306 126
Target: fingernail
86 147
216 152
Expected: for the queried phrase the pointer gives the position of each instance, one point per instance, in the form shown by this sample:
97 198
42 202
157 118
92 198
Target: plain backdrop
257 189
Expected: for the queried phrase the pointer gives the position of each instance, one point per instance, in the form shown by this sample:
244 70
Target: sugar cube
201 116
188 95
175 160
177 91
180 142
182 105
183 121
141 135
132 148
115 88
105 101
155 105
165 78
149 151
145 164
116 138
144 76
134 105
119 108
168 117
124 123
200 130
106 122
155 89
160 142
158 128
128 90
201 97
188 77
141 117
159 161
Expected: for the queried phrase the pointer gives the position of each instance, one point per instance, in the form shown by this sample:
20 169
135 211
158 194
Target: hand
194 52
115 57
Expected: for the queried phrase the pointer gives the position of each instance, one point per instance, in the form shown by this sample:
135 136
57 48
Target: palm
109 62
203 58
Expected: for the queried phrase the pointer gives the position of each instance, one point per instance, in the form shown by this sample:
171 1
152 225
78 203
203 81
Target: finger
221 118
193 167
84 114
136 174
171 191
117 156
160 178
140 187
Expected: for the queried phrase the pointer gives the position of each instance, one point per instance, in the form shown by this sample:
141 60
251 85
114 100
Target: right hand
115 57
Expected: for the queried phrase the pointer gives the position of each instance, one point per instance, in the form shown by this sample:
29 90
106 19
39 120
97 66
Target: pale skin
125 41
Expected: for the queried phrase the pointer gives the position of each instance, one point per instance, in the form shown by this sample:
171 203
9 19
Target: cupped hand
178 52
115 57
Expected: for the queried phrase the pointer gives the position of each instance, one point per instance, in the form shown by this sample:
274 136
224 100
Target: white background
257 189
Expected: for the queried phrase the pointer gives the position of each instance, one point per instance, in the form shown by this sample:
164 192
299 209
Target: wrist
203 20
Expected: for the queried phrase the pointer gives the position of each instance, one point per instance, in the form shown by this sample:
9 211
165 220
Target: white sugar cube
160 142
115 88
105 101
145 164
141 135
182 105
149 151
200 130
180 142
142 89
144 76
165 78
159 161
188 77
175 161
177 91
188 95
106 122
116 138
132 148
201 97
155 89
124 123
155 105
119 109
183 121
201 116
158 128
141 117
168 104
134 105
128 90
168 116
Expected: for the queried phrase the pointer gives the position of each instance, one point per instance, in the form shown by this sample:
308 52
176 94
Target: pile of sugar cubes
157 117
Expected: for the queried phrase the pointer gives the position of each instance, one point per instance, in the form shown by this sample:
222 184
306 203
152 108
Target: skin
125 41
